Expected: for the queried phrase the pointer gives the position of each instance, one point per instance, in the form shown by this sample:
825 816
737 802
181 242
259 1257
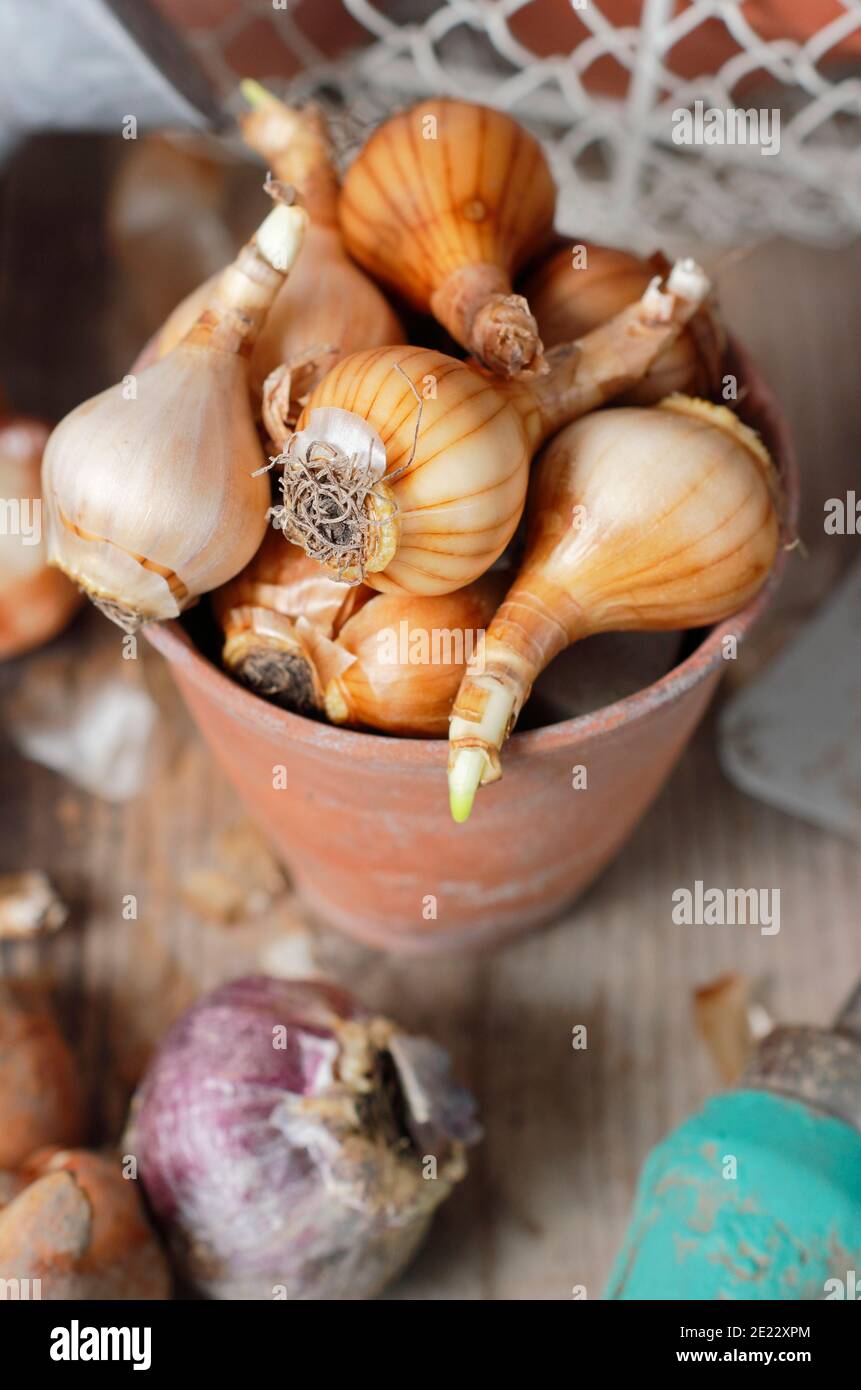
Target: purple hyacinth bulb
293 1145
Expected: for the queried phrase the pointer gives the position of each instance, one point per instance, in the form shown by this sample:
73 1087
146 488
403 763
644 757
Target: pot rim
174 643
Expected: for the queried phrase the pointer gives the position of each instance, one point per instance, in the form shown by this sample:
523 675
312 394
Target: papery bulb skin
271 614
391 662
328 308
104 531
569 299
282 1134
36 601
153 489
281 577
639 519
696 490
45 1228
445 203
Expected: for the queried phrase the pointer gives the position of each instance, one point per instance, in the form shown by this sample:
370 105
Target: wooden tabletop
549 1190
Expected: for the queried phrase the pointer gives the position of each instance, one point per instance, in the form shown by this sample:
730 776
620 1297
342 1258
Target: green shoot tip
464 779
255 93
461 805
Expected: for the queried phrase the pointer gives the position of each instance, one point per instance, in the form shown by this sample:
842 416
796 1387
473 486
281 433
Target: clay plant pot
362 821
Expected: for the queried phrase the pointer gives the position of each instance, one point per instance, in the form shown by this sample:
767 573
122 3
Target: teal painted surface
789 1221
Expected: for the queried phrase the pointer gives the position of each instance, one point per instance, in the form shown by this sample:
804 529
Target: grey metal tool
793 736
819 1066
89 64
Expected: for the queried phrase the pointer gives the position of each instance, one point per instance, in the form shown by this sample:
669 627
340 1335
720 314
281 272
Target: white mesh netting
602 96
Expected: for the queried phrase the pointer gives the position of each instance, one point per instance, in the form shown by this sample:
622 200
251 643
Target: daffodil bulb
329 307
408 469
445 203
638 519
153 488
392 662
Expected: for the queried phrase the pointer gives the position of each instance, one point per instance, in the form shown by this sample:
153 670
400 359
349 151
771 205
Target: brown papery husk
569 302
328 305
639 519
445 203
265 645
266 653
457 441
282 578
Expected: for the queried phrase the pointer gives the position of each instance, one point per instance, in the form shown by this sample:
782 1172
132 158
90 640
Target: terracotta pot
362 821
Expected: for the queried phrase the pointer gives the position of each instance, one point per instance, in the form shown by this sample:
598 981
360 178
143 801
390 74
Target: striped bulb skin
639 519
461 497
408 468
445 203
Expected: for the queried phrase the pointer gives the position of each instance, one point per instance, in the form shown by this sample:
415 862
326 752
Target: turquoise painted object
785 1225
